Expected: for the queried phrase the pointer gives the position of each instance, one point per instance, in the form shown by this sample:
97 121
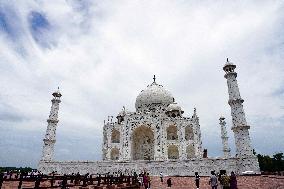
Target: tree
268 164
278 161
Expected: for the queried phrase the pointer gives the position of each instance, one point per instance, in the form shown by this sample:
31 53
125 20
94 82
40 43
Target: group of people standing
144 179
225 181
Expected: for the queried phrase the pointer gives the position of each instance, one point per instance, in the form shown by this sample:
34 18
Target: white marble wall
156 119
172 168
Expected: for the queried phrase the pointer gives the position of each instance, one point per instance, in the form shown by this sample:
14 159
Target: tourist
213 180
72 178
140 179
169 182
219 179
225 181
99 180
85 179
149 180
37 183
161 176
135 176
91 179
64 182
197 179
233 181
145 181
1 178
77 178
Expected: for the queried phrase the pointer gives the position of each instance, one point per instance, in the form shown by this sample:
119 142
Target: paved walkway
244 182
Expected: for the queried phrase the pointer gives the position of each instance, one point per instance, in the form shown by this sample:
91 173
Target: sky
103 53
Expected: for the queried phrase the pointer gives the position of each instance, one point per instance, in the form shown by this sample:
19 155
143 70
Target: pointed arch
188 131
173 152
190 151
115 136
114 154
143 143
172 133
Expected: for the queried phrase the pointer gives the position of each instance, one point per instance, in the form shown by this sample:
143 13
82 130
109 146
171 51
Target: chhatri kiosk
157 137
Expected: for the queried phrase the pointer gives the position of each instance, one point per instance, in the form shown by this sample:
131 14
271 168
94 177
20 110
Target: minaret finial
194 112
227 59
154 78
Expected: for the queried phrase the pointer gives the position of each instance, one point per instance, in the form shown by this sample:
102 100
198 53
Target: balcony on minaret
229 68
57 94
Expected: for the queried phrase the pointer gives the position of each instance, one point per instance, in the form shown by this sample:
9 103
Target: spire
194 113
154 78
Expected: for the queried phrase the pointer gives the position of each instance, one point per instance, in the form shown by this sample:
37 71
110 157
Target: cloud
102 54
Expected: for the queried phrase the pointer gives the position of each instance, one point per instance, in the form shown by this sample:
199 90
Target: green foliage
271 164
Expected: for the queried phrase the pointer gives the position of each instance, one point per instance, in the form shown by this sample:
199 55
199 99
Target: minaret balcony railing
52 120
49 141
234 128
230 73
55 100
235 101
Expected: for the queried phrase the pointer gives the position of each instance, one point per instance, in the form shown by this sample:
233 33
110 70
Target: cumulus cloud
102 54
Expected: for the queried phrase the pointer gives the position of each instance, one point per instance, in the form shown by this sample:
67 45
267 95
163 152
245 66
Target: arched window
115 136
173 152
143 143
190 151
188 133
114 154
172 133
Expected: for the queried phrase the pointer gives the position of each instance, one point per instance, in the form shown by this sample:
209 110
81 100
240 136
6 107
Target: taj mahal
156 137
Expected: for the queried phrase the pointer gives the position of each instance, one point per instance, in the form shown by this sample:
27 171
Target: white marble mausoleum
157 137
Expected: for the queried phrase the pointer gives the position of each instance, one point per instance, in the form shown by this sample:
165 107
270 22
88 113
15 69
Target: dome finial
154 78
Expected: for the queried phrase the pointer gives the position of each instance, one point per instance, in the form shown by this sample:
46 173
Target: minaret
224 137
50 136
240 127
198 141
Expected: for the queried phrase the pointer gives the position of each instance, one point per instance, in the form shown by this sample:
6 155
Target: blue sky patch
38 21
40 29
8 20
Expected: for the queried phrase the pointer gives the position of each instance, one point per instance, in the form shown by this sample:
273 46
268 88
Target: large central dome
153 94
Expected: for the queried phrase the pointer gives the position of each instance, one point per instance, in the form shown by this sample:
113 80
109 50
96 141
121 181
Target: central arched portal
143 143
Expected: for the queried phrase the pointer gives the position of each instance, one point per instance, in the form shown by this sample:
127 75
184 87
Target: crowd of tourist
143 179
225 181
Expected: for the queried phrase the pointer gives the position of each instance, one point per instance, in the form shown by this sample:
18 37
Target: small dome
153 94
174 107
